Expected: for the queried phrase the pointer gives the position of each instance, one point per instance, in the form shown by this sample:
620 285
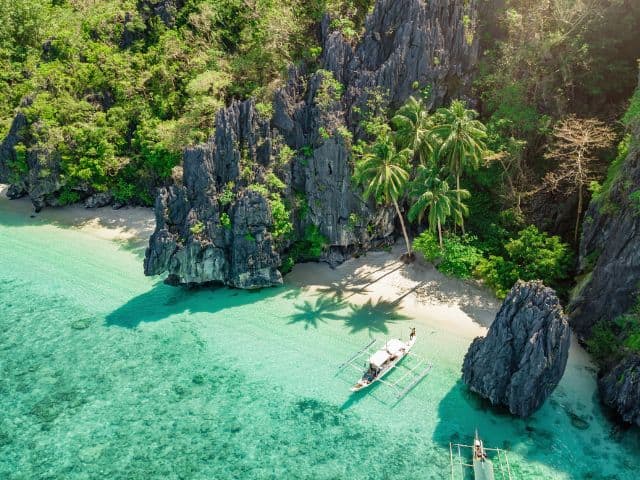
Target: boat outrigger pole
384 360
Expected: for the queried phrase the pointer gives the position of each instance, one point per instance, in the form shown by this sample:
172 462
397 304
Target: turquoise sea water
107 374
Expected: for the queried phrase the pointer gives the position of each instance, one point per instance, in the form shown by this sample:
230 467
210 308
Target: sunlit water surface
107 374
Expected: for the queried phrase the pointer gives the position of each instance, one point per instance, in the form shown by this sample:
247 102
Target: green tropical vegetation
382 170
414 161
610 341
117 89
431 194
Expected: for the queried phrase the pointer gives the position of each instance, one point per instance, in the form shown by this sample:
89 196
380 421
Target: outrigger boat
483 468
382 361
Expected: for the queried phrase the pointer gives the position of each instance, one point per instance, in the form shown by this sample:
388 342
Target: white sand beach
459 308
126 224
418 290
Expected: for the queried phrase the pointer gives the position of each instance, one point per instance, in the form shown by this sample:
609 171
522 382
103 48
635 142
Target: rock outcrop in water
523 357
408 45
620 389
201 238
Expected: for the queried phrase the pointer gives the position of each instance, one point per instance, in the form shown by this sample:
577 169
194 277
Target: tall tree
463 140
413 129
433 196
576 143
382 170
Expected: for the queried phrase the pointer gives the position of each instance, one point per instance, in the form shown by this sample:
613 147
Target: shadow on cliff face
163 301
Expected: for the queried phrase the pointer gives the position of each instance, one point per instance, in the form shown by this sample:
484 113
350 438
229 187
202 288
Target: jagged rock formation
34 172
610 250
98 200
407 45
620 389
610 285
523 357
192 241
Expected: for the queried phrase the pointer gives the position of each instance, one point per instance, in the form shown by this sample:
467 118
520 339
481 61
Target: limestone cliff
523 357
610 288
620 388
610 250
407 45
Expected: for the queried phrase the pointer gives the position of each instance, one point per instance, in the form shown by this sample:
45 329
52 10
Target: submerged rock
523 357
620 389
407 46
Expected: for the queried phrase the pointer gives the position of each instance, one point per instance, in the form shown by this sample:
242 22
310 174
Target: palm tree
463 140
383 172
433 195
413 129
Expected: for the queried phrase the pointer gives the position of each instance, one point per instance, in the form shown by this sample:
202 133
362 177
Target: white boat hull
362 384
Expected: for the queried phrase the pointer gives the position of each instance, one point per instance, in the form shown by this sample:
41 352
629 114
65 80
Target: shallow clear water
107 374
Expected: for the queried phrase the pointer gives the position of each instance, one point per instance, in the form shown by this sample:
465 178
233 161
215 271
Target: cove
105 373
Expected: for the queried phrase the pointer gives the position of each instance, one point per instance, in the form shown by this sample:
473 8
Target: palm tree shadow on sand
373 316
310 314
163 301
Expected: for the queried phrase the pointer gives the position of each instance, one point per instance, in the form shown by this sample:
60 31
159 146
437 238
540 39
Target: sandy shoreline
417 290
433 301
129 224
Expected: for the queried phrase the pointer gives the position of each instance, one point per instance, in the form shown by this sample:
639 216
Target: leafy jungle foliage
118 88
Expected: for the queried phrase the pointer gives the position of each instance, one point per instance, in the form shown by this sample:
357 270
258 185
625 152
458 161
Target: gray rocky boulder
524 355
620 389
36 170
98 200
8 155
200 236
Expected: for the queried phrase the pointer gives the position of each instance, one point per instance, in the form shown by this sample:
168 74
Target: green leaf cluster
457 257
532 255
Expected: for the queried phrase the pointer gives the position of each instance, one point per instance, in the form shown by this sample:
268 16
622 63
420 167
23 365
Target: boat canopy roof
377 359
394 346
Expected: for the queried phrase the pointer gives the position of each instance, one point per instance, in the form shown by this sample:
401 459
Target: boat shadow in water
163 301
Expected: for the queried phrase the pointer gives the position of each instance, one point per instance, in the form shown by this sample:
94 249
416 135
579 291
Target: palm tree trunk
440 233
404 229
459 202
575 233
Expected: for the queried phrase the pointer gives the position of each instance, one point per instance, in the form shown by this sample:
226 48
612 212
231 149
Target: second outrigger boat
382 361
483 468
